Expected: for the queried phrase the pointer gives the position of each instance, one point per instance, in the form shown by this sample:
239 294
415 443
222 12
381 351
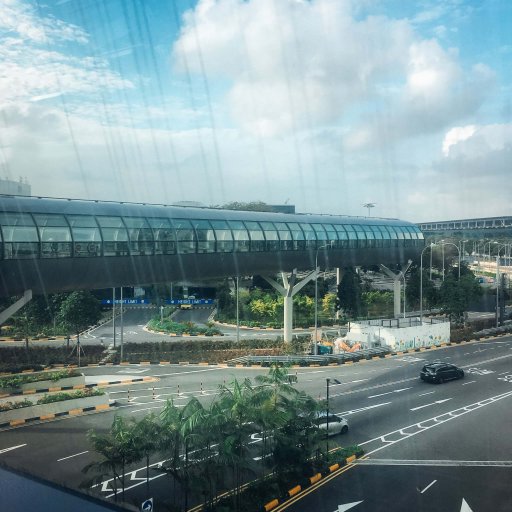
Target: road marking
428 486
389 392
313 371
354 411
347 506
12 448
428 393
449 463
403 433
470 382
464 507
191 371
71 456
133 370
428 405
479 371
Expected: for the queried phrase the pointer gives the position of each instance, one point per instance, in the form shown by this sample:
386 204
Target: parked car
337 424
440 372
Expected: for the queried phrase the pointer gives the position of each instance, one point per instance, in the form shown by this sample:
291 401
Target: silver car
337 424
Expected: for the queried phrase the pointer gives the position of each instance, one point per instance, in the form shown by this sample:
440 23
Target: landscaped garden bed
41 380
168 326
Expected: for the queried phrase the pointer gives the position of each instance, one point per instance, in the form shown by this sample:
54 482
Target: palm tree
238 406
146 434
117 450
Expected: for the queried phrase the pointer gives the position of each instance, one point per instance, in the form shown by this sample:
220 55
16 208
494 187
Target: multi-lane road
428 447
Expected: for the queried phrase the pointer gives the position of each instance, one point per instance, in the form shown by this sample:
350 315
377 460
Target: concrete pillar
338 282
396 286
288 289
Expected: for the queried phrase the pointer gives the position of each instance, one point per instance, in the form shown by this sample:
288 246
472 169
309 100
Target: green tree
457 294
349 293
79 310
252 206
329 304
412 290
146 433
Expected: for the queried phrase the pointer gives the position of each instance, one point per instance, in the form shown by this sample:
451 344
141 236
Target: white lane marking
464 507
428 393
133 370
191 371
12 448
470 382
428 486
402 433
71 456
389 392
154 407
314 371
428 405
436 462
362 409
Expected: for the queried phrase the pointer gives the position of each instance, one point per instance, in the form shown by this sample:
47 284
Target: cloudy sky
325 104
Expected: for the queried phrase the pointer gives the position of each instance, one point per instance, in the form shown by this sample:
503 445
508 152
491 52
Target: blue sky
326 104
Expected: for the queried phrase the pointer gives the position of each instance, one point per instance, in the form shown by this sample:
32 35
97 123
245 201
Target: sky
324 104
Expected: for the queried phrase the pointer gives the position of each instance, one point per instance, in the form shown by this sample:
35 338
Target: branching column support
396 285
288 289
14 308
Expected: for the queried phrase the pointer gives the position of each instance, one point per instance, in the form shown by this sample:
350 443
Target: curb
48 417
307 483
101 384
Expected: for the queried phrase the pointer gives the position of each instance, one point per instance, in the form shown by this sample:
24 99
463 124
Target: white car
337 424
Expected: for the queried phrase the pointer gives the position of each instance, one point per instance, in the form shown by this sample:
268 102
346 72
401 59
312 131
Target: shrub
60 397
9 406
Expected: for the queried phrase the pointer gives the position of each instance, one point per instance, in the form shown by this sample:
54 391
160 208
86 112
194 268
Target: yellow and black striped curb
100 384
52 416
308 482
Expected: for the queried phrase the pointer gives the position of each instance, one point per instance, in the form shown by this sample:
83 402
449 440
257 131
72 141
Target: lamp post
327 382
458 250
421 279
315 348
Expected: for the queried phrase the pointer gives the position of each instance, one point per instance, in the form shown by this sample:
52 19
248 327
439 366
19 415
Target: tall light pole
421 279
327 382
458 250
369 206
315 348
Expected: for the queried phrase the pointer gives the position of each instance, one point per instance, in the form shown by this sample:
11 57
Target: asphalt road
429 447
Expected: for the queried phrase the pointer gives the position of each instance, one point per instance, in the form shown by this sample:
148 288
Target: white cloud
295 65
20 19
455 135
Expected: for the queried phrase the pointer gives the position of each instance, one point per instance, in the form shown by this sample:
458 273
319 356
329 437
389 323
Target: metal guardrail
312 359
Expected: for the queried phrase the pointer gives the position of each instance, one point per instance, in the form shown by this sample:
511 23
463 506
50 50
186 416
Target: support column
396 286
288 289
338 282
14 308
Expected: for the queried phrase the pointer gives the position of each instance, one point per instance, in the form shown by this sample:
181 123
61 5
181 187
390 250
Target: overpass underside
44 276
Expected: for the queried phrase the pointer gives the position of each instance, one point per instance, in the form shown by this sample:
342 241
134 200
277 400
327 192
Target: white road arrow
12 448
342 508
428 405
465 507
389 392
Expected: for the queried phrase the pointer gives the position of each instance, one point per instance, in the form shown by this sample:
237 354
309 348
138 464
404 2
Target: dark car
441 372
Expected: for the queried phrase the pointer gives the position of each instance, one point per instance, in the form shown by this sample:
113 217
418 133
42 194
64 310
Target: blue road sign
147 506
126 301
194 302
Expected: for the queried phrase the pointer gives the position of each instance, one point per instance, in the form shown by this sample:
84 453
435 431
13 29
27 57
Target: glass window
299 240
115 236
185 236
223 235
369 236
377 235
352 236
256 235
332 236
240 235
342 236
285 236
386 237
309 235
164 235
140 236
271 236
55 236
205 236
321 235
20 236
86 235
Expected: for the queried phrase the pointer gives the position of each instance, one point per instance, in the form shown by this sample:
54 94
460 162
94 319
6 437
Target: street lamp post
421 279
327 382
315 348
458 250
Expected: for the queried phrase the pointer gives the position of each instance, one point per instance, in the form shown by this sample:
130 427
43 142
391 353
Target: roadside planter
74 405
65 382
